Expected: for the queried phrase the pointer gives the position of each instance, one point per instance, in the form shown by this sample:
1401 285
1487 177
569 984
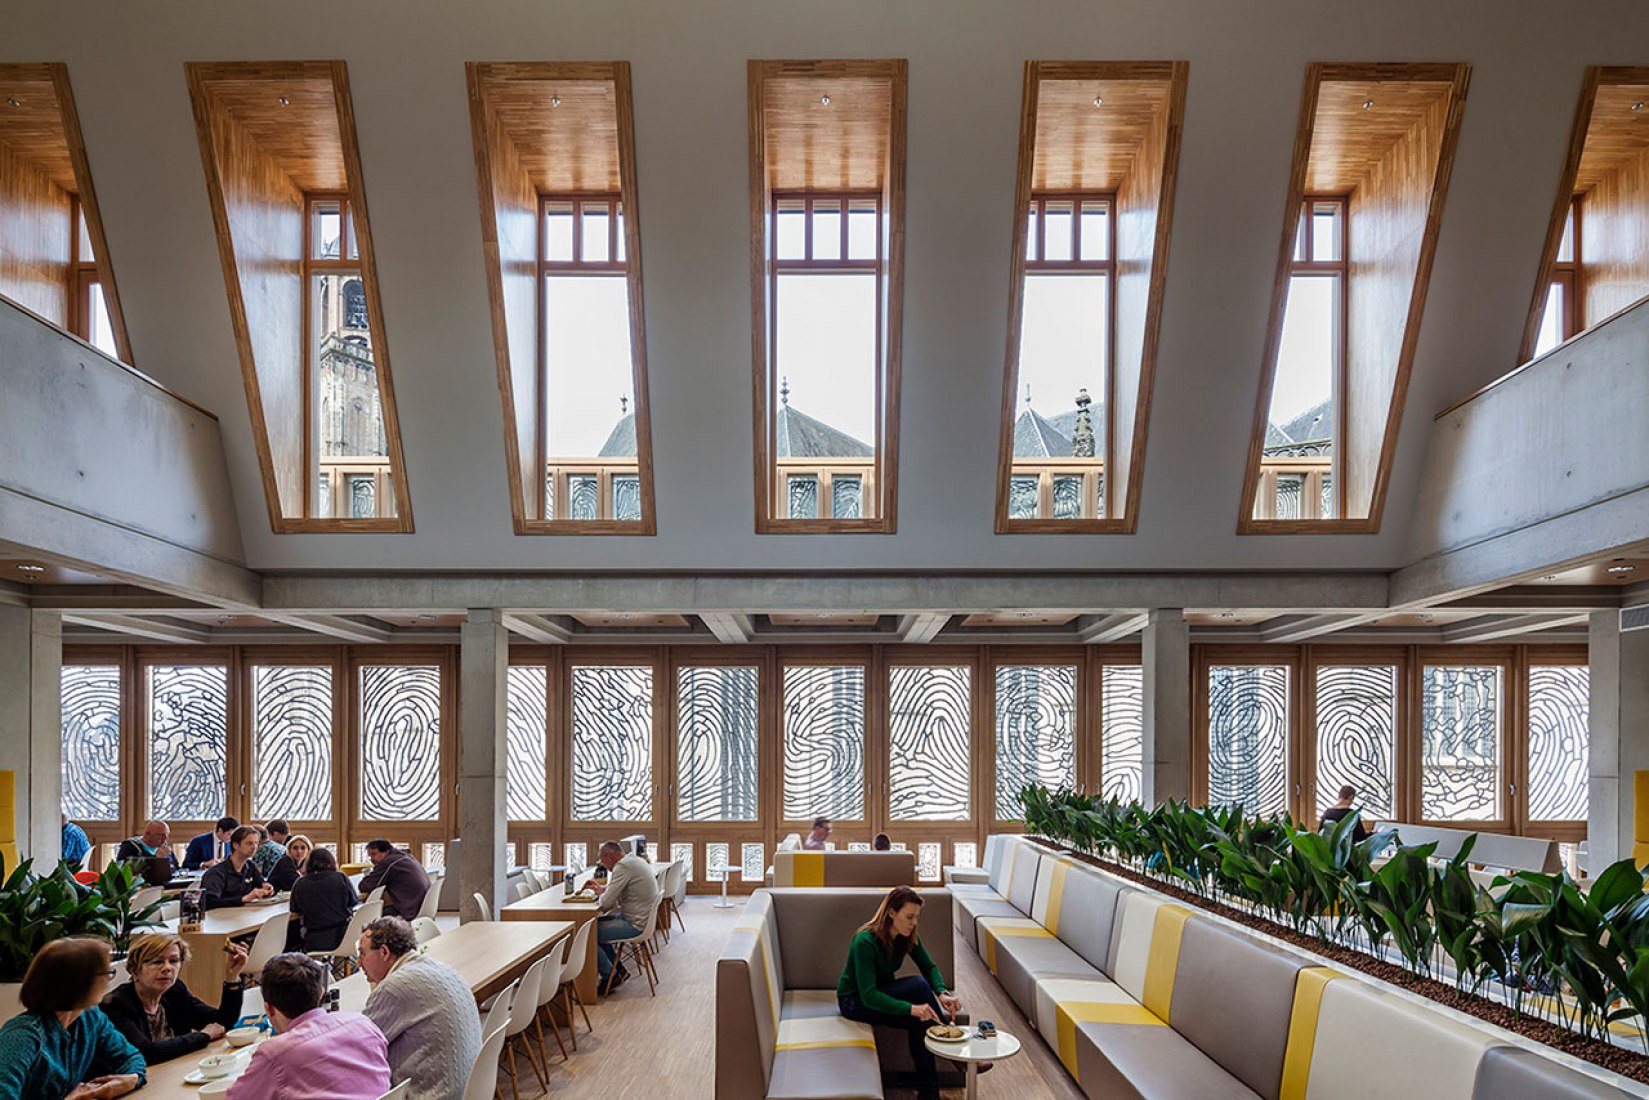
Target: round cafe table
974 1050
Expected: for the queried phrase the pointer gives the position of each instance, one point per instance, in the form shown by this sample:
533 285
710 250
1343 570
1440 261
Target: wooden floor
663 1048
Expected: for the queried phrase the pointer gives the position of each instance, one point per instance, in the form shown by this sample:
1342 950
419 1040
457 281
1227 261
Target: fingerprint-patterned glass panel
928 759
540 857
1248 737
525 732
824 742
188 708
804 497
683 854
585 493
91 742
1035 731
716 743
1328 510
1067 498
1558 740
845 493
754 860
1290 491
626 497
1460 742
363 497
927 861
1022 494
1122 732
323 495
435 856
966 853
715 859
292 742
612 743
861 846
1357 736
357 853
400 742
577 855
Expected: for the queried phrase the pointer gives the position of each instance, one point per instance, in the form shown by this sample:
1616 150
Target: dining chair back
523 1022
486 909
365 914
432 897
269 942
377 894
640 948
147 897
578 956
484 1074
498 1013
425 929
399 1092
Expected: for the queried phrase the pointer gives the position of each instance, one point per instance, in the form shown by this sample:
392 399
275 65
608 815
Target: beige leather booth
1142 997
779 1033
885 869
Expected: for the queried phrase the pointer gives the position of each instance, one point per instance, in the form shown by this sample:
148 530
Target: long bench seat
1141 997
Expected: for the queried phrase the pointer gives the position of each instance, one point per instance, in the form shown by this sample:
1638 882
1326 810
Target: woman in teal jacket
870 993
63 1047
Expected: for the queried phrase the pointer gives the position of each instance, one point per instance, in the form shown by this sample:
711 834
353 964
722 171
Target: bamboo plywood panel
35 235
1080 147
1616 136
34 128
1614 235
1348 142
1385 231
839 147
564 131
301 137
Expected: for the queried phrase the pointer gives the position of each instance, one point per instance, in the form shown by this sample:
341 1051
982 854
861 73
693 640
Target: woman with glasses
156 1011
63 1047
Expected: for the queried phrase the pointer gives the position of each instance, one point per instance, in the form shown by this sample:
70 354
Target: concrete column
1167 660
1618 724
31 716
483 674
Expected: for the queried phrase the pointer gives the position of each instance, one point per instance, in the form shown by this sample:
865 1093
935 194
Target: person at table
323 900
298 847
210 848
870 993
425 1009
62 1046
273 848
235 881
881 842
404 880
314 1053
75 843
625 901
154 840
1342 808
820 833
158 1014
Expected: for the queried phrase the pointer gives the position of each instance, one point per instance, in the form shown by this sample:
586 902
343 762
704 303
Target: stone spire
623 404
1082 439
784 391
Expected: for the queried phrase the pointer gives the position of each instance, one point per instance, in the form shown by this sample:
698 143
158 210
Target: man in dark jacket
404 880
208 848
235 881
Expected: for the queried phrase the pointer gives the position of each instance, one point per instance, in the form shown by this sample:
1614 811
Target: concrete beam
1300 628
536 628
921 629
335 626
727 627
1104 629
167 630
1493 627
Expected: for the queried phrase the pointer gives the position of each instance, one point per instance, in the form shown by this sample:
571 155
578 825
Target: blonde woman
299 847
158 1014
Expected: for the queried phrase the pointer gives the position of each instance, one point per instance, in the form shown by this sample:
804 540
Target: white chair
425 929
432 897
269 942
486 910
675 892
147 897
498 1011
641 951
549 987
538 880
524 890
367 913
578 956
791 843
377 894
484 1074
523 1019
399 1092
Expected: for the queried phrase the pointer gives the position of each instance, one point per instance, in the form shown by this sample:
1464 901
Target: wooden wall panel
1614 235
1137 213
1386 230
35 235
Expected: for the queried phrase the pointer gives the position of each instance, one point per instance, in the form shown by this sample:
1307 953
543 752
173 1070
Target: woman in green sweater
63 1047
870 994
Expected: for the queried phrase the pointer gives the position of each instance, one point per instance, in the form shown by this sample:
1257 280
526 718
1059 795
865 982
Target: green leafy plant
36 909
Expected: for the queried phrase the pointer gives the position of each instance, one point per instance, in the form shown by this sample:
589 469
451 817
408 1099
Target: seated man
339 1055
235 881
820 833
1340 809
403 878
277 868
424 1008
628 898
208 848
155 840
75 842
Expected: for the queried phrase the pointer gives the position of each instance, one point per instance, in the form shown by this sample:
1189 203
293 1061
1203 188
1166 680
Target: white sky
587 356
827 349
1305 361
1062 345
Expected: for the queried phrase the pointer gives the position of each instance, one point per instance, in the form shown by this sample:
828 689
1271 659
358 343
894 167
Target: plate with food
947 1033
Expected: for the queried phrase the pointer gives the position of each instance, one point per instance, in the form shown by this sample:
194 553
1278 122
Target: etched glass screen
1248 737
1558 707
400 742
188 708
612 743
1035 731
824 742
928 765
524 720
91 742
292 742
1460 709
1122 729
716 743
1357 736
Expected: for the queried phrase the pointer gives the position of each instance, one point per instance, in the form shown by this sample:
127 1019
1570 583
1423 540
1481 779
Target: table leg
973 1081
724 903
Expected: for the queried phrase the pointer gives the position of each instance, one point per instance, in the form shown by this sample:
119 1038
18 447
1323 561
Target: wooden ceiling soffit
1384 136
1611 128
553 128
1111 129
40 126
271 133
815 145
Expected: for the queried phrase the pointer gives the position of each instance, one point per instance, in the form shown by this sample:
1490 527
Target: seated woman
299 847
157 1013
870 994
62 1047
324 900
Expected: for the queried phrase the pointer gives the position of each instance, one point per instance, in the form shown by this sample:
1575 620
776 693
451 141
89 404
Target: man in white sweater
630 895
424 1008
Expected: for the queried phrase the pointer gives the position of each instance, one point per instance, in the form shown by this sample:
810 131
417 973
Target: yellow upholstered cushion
1302 1029
1162 965
820 1032
806 868
992 929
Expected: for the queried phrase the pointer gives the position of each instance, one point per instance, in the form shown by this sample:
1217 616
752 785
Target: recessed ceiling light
555 101
1638 106
824 101
30 567
626 614
283 101
1622 568
227 618
822 614
1425 618
1099 101
425 617
1024 614
1228 614
1549 577
1368 104
13 101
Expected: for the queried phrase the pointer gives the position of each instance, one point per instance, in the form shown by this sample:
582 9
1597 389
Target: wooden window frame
890 312
1458 77
1513 729
1525 659
1295 785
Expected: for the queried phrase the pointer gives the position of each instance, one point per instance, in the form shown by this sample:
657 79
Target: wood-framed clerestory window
89 314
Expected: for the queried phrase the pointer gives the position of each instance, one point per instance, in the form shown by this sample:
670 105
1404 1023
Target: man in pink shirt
315 1054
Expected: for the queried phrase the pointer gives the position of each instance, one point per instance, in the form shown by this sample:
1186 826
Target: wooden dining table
488 954
207 965
552 905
